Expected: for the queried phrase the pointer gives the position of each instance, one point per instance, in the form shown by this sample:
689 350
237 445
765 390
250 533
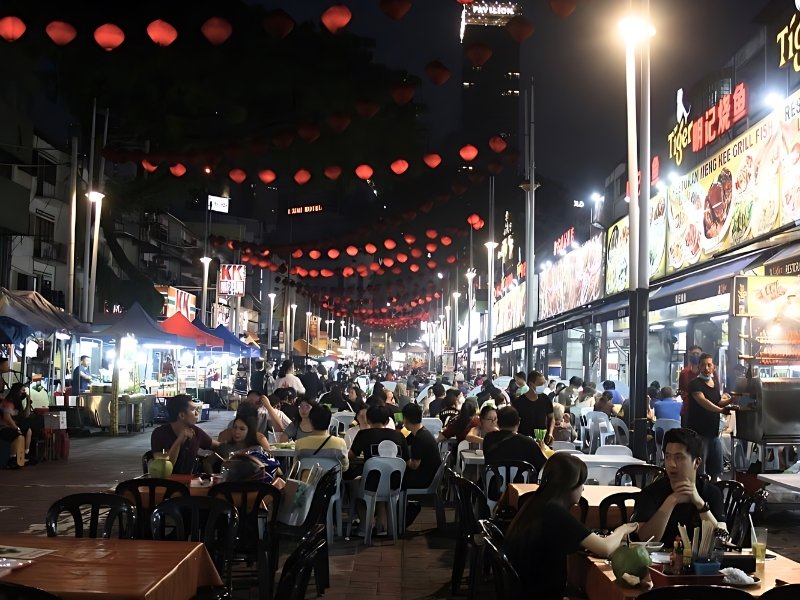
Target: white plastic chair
572 450
556 445
662 425
597 430
349 435
388 448
341 421
432 424
431 490
391 472
621 430
617 449
335 506
462 445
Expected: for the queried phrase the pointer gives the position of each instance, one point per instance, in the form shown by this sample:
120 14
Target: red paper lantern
108 36
370 248
468 152
217 30
11 28
446 240
333 254
297 253
497 143
437 72
479 225
437 295
178 170
402 258
364 171
397 270
237 175
520 28
478 54
314 273
267 176
278 24
403 93
431 234
395 9
302 177
338 122
336 17
351 250
309 132
374 267
431 247
431 264
388 262
451 259
389 244
333 172
162 33
563 8
314 254
465 1
148 166
409 238
413 268
433 160
348 271
416 253
399 166
326 273
367 108
473 218
60 32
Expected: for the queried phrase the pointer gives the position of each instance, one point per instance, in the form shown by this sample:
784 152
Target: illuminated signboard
491 14
788 40
176 301
573 281
301 210
509 311
564 241
713 123
218 203
231 280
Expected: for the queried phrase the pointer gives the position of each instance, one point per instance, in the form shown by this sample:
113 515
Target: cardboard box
55 420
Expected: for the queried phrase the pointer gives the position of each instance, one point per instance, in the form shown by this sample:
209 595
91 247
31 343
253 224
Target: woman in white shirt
287 378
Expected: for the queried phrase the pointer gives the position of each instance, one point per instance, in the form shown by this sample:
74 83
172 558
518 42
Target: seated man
679 497
424 458
321 442
181 438
367 440
507 444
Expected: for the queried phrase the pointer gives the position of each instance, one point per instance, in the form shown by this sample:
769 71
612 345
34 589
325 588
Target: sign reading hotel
231 280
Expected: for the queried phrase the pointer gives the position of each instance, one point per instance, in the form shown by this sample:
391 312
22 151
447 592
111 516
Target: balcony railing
55 251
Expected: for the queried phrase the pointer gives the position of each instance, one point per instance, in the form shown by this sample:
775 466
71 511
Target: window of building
46 175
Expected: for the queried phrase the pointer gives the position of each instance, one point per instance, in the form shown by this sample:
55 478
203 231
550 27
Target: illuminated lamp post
271 297
308 331
206 260
490 248
470 295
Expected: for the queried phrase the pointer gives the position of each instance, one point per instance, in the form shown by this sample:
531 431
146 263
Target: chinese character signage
231 280
573 281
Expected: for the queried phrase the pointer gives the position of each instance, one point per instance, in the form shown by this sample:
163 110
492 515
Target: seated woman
24 417
564 431
462 424
605 404
544 531
487 422
241 435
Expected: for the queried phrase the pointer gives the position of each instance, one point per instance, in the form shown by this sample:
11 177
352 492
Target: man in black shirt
679 497
310 380
706 403
436 403
507 444
535 407
367 440
424 458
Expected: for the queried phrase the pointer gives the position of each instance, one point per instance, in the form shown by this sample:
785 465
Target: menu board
749 188
617 247
772 297
509 311
573 281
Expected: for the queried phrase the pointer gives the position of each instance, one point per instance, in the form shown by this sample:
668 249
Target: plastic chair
390 471
506 579
740 528
598 429
638 475
431 490
257 522
790 591
462 445
556 445
296 571
204 519
472 507
156 491
498 474
732 494
621 430
118 509
572 450
335 504
614 449
660 427
432 424
349 435
13 591
387 448
696 592
617 500
146 458
342 422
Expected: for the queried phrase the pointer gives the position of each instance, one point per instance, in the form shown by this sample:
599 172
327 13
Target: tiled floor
416 568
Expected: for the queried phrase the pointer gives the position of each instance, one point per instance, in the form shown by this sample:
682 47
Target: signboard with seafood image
772 297
573 281
617 253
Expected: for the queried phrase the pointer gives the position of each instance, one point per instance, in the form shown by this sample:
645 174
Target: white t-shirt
290 380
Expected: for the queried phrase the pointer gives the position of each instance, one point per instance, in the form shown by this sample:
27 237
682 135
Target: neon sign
564 241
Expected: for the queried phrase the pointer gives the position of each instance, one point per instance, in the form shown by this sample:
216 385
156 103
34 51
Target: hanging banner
231 280
573 281
509 311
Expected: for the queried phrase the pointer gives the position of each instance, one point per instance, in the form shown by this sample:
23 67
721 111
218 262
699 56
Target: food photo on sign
573 281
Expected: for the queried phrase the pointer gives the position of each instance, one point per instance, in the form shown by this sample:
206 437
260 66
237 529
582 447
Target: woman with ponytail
287 378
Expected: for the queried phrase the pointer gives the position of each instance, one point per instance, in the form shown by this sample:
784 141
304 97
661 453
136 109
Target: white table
790 481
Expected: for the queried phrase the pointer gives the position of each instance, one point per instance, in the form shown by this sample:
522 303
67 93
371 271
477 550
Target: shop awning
713 281
302 347
13 332
32 310
178 324
615 309
234 345
138 323
784 262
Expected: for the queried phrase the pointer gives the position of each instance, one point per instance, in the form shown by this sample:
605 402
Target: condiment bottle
676 560
687 560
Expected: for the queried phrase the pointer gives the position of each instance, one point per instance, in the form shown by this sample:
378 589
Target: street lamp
97 199
370 344
206 260
271 297
308 330
456 296
341 332
490 248
470 293
447 321
293 323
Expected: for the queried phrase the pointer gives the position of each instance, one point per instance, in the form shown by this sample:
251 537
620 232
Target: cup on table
759 545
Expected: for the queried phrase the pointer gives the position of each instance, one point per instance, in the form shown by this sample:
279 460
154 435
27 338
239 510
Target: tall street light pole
271 296
308 331
470 295
456 296
206 260
490 248
293 323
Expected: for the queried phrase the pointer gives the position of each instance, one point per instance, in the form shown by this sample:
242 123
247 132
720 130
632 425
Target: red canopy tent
178 324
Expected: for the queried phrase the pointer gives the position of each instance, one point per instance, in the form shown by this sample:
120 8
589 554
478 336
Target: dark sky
577 65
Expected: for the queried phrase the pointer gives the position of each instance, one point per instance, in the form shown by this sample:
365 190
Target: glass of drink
759 544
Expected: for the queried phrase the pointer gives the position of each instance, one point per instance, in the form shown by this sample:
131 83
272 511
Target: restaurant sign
231 280
573 281
509 311
760 296
177 301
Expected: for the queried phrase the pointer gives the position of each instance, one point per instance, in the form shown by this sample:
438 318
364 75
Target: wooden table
120 569
594 495
599 582
788 480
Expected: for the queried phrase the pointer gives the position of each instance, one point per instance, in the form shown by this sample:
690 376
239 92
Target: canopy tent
138 323
31 310
250 340
13 332
302 347
179 325
234 345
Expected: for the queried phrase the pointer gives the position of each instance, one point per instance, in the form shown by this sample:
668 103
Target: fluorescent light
656 327
680 324
718 318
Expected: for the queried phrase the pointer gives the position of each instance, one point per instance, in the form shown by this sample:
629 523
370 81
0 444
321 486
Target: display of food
573 281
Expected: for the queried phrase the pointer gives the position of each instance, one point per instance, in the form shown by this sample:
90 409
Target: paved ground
415 568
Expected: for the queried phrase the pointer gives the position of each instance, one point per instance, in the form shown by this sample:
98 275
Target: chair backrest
732 494
272 437
251 499
389 469
119 510
437 478
569 451
740 528
146 458
556 445
695 592
638 475
212 521
660 427
323 492
432 424
498 474
462 445
388 448
614 449
617 500
506 580
147 493
790 591
598 415
472 504
342 421
13 591
296 571
349 435
621 431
